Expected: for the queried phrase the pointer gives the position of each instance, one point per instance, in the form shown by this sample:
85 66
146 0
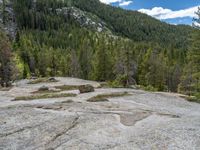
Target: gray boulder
52 79
43 88
86 88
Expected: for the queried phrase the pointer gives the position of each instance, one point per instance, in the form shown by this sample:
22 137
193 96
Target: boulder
52 80
43 88
86 88
33 78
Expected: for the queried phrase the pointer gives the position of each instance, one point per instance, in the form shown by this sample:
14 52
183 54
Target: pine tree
74 65
4 11
101 63
6 64
125 67
53 62
85 55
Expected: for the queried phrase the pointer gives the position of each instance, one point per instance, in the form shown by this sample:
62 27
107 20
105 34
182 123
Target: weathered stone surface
142 120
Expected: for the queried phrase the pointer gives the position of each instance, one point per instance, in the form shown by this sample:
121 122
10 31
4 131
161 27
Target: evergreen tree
101 63
85 56
4 11
6 64
74 65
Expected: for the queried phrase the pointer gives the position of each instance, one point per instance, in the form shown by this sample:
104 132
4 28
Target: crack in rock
169 115
63 132
20 130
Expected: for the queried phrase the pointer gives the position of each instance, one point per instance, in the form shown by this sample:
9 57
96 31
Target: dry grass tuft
43 96
42 80
104 97
67 87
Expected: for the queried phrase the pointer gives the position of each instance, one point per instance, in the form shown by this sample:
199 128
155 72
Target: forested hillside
91 40
135 25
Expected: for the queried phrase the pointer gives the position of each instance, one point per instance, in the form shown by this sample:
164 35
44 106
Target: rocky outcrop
84 19
140 120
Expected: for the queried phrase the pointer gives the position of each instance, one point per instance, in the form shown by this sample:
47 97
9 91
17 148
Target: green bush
149 88
119 82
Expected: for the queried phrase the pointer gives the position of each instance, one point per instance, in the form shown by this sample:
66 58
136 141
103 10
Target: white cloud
121 2
125 3
110 1
162 13
197 24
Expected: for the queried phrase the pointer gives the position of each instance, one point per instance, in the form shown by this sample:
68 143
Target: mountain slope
135 25
91 40
129 24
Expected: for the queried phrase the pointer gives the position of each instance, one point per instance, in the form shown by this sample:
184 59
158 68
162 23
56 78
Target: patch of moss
104 85
97 100
148 88
41 80
191 98
67 101
43 96
104 97
45 92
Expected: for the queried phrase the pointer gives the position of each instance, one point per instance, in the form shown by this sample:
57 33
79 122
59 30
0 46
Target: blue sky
171 11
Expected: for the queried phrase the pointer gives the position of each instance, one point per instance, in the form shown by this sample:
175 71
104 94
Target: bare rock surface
140 121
